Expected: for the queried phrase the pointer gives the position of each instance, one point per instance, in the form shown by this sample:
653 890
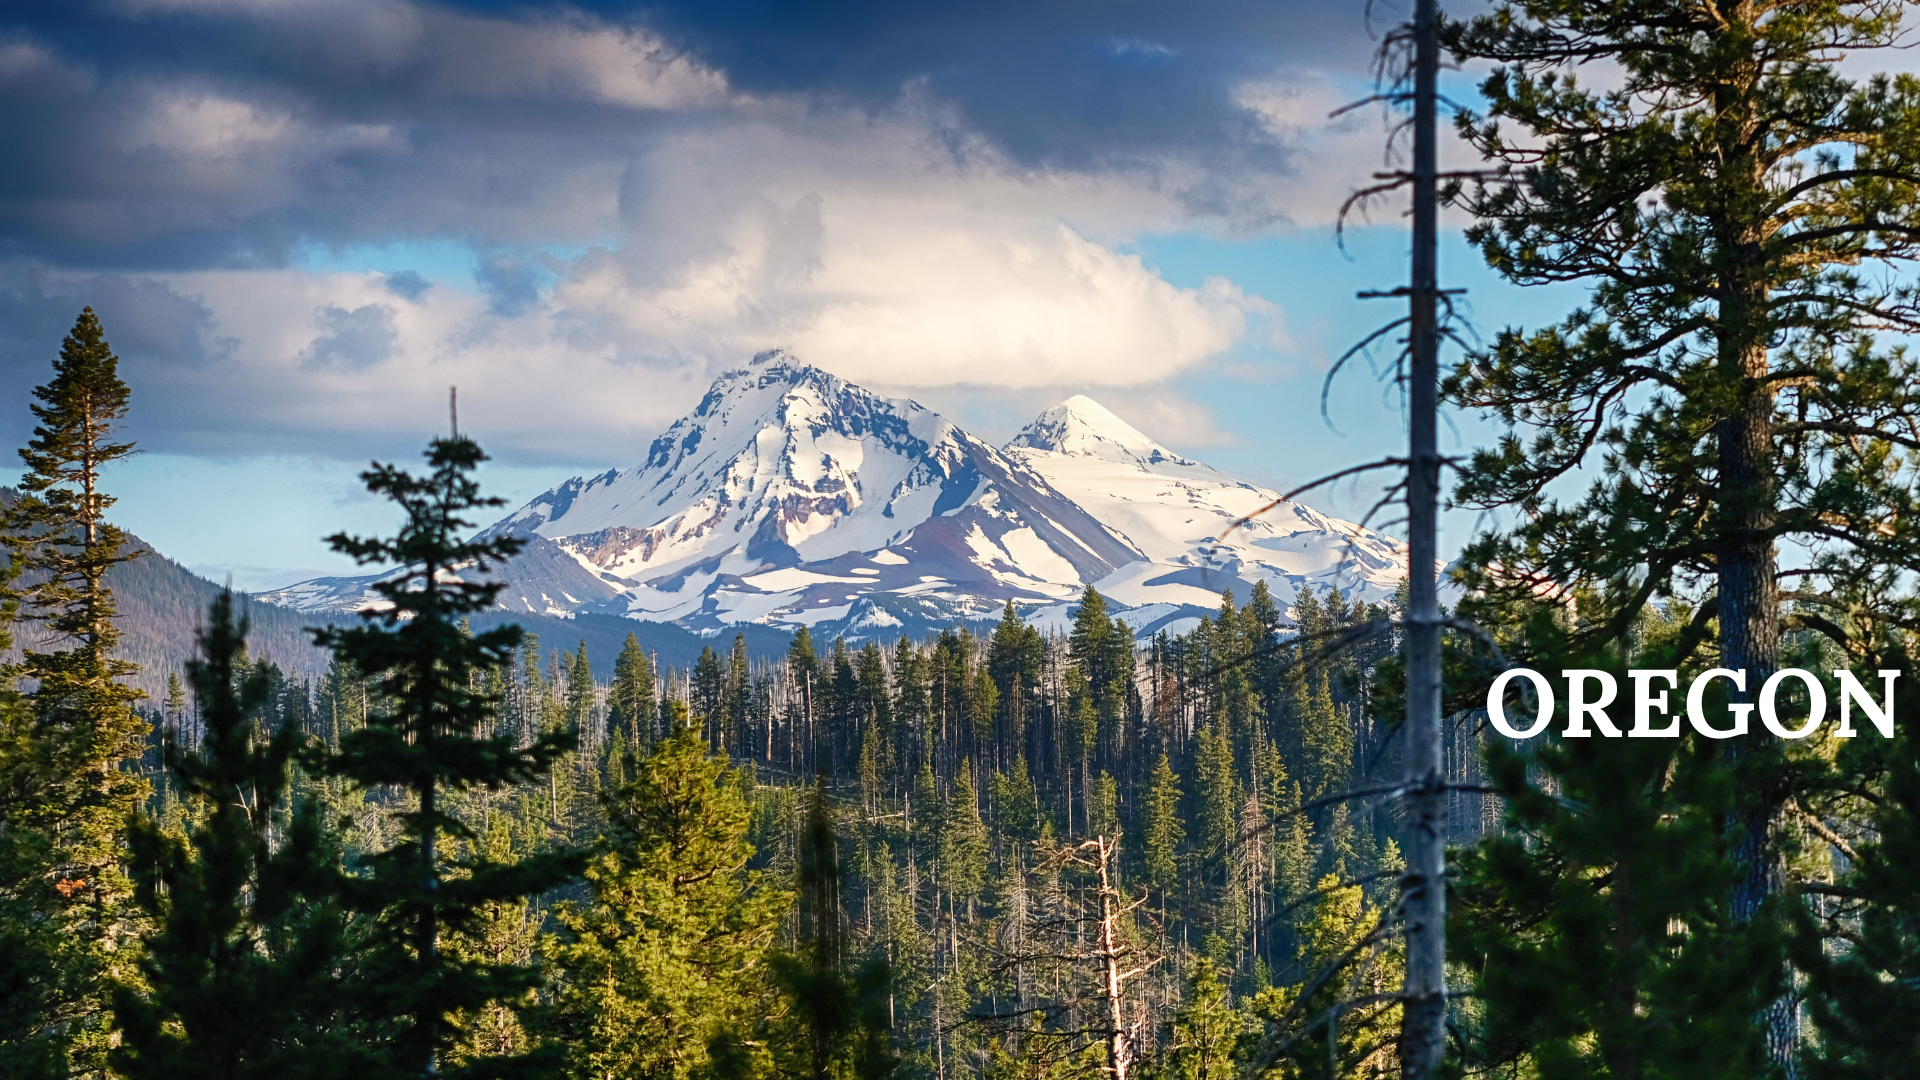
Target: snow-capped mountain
785 496
790 496
1181 516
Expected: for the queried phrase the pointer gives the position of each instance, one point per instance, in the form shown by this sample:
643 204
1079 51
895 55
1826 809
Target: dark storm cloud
176 134
1056 82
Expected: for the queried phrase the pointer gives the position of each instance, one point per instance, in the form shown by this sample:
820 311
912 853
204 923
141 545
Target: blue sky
301 220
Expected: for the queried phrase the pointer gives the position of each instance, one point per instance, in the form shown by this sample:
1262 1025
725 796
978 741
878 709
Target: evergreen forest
1041 853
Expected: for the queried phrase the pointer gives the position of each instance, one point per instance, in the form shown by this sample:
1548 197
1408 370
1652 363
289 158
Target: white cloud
1017 310
878 248
1333 156
204 132
870 245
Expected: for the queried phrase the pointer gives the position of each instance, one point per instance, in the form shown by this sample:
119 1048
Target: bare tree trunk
1423 894
1112 950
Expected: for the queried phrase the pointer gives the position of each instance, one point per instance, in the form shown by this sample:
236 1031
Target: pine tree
668 955
505 932
963 841
1743 216
927 815
579 692
1164 831
1013 657
1016 804
630 705
803 669
1087 642
1080 732
1271 780
1217 795
739 707
909 701
39 990
176 704
1206 1030
1103 807
837 705
425 739
1294 858
983 709
871 768
838 1022
1864 987
68 801
709 694
1345 1020
237 978
1327 737
533 690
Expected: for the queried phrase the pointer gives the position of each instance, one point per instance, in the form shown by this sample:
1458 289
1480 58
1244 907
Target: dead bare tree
1423 893
1410 60
1115 960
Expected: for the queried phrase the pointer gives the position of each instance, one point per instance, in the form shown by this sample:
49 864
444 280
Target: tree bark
1749 596
1423 895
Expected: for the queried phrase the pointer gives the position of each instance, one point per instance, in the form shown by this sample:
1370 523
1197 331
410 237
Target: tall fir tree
803 671
429 738
739 704
1596 921
1858 940
1164 831
579 692
1207 1031
1216 795
35 958
1016 804
837 1017
67 800
710 696
963 841
630 708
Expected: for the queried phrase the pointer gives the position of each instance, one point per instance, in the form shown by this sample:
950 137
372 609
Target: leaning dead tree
1090 953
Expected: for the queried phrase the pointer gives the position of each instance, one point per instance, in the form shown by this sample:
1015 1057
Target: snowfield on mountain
791 497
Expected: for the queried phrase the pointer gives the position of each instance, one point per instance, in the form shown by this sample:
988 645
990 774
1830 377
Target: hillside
162 605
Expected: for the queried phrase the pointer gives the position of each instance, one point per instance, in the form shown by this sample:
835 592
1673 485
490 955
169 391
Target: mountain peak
1082 427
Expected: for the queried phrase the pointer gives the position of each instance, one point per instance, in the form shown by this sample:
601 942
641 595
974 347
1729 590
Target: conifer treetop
57 526
416 648
80 405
